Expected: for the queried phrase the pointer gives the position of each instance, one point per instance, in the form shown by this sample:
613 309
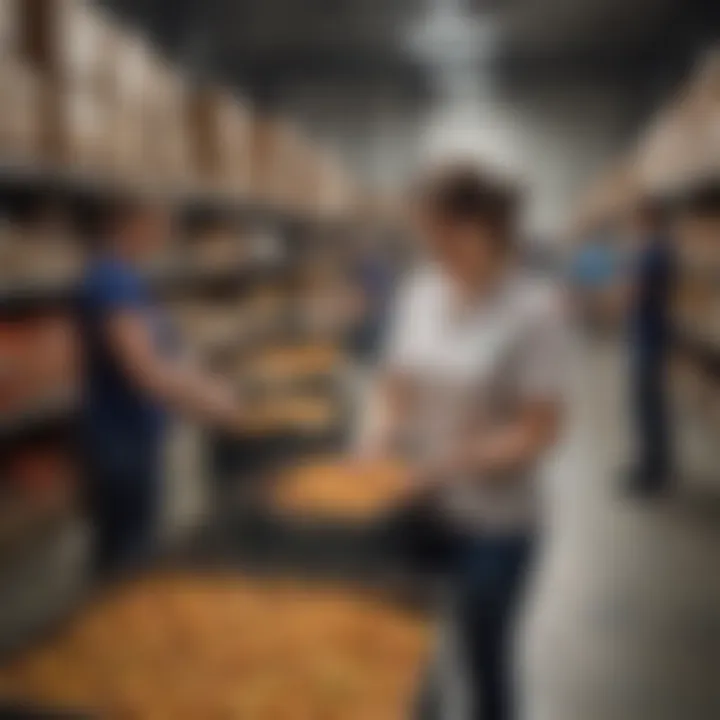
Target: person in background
473 383
131 379
650 338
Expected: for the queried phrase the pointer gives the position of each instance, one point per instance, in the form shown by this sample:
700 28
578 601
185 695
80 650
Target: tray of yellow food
281 364
184 647
304 416
327 518
341 489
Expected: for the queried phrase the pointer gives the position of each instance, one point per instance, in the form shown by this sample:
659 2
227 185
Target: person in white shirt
472 390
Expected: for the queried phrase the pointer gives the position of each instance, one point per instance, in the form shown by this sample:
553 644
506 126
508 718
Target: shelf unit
676 162
279 183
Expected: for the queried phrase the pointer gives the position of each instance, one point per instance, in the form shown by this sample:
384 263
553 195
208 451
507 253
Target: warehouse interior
282 136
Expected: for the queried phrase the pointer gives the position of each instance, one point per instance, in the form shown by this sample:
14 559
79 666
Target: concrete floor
624 620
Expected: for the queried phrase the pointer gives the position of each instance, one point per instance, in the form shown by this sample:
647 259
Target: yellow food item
295 361
223 648
293 414
341 489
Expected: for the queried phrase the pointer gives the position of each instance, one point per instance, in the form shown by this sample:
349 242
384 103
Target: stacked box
704 141
282 171
266 141
38 363
683 145
72 46
69 41
9 27
335 192
299 174
220 128
20 100
129 125
164 124
234 135
309 187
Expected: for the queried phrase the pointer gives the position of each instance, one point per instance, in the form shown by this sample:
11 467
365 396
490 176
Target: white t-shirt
471 368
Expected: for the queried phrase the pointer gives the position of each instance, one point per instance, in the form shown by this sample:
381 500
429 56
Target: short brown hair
468 193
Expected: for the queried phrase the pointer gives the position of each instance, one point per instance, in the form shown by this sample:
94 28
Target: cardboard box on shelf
128 98
297 172
70 42
683 144
284 166
132 68
234 135
166 124
20 100
128 149
706 116
220 136
336 192
79 129
9 27
85 46
38 363
266 143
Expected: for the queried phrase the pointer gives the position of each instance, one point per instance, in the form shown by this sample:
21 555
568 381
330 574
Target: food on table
341 489
220 648
293 414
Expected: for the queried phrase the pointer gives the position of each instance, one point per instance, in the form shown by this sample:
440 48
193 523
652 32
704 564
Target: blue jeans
122 502
487 585
651 415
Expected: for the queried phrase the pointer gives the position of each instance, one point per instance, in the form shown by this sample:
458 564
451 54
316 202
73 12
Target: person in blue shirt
132 379
650 338
595 264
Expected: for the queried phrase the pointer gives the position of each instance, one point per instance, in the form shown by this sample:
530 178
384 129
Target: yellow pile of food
219 649
298 361
295 414
342 489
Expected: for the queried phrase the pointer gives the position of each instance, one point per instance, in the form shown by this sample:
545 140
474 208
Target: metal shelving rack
34 545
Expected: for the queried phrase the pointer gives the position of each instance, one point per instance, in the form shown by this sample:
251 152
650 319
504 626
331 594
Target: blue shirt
595 267
120 424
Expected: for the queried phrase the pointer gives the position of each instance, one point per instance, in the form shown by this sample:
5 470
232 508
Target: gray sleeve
544 362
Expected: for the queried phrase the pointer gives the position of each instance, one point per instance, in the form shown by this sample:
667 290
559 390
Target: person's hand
370 450
429 477
424 479
243 422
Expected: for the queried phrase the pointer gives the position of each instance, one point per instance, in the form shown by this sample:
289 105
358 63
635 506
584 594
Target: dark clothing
489 578
654 284
123 505
654 451
121 427
118 418
650 338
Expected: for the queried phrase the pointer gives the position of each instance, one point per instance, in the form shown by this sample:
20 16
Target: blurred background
282 136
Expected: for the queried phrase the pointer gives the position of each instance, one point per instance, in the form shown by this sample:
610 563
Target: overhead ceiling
268 44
